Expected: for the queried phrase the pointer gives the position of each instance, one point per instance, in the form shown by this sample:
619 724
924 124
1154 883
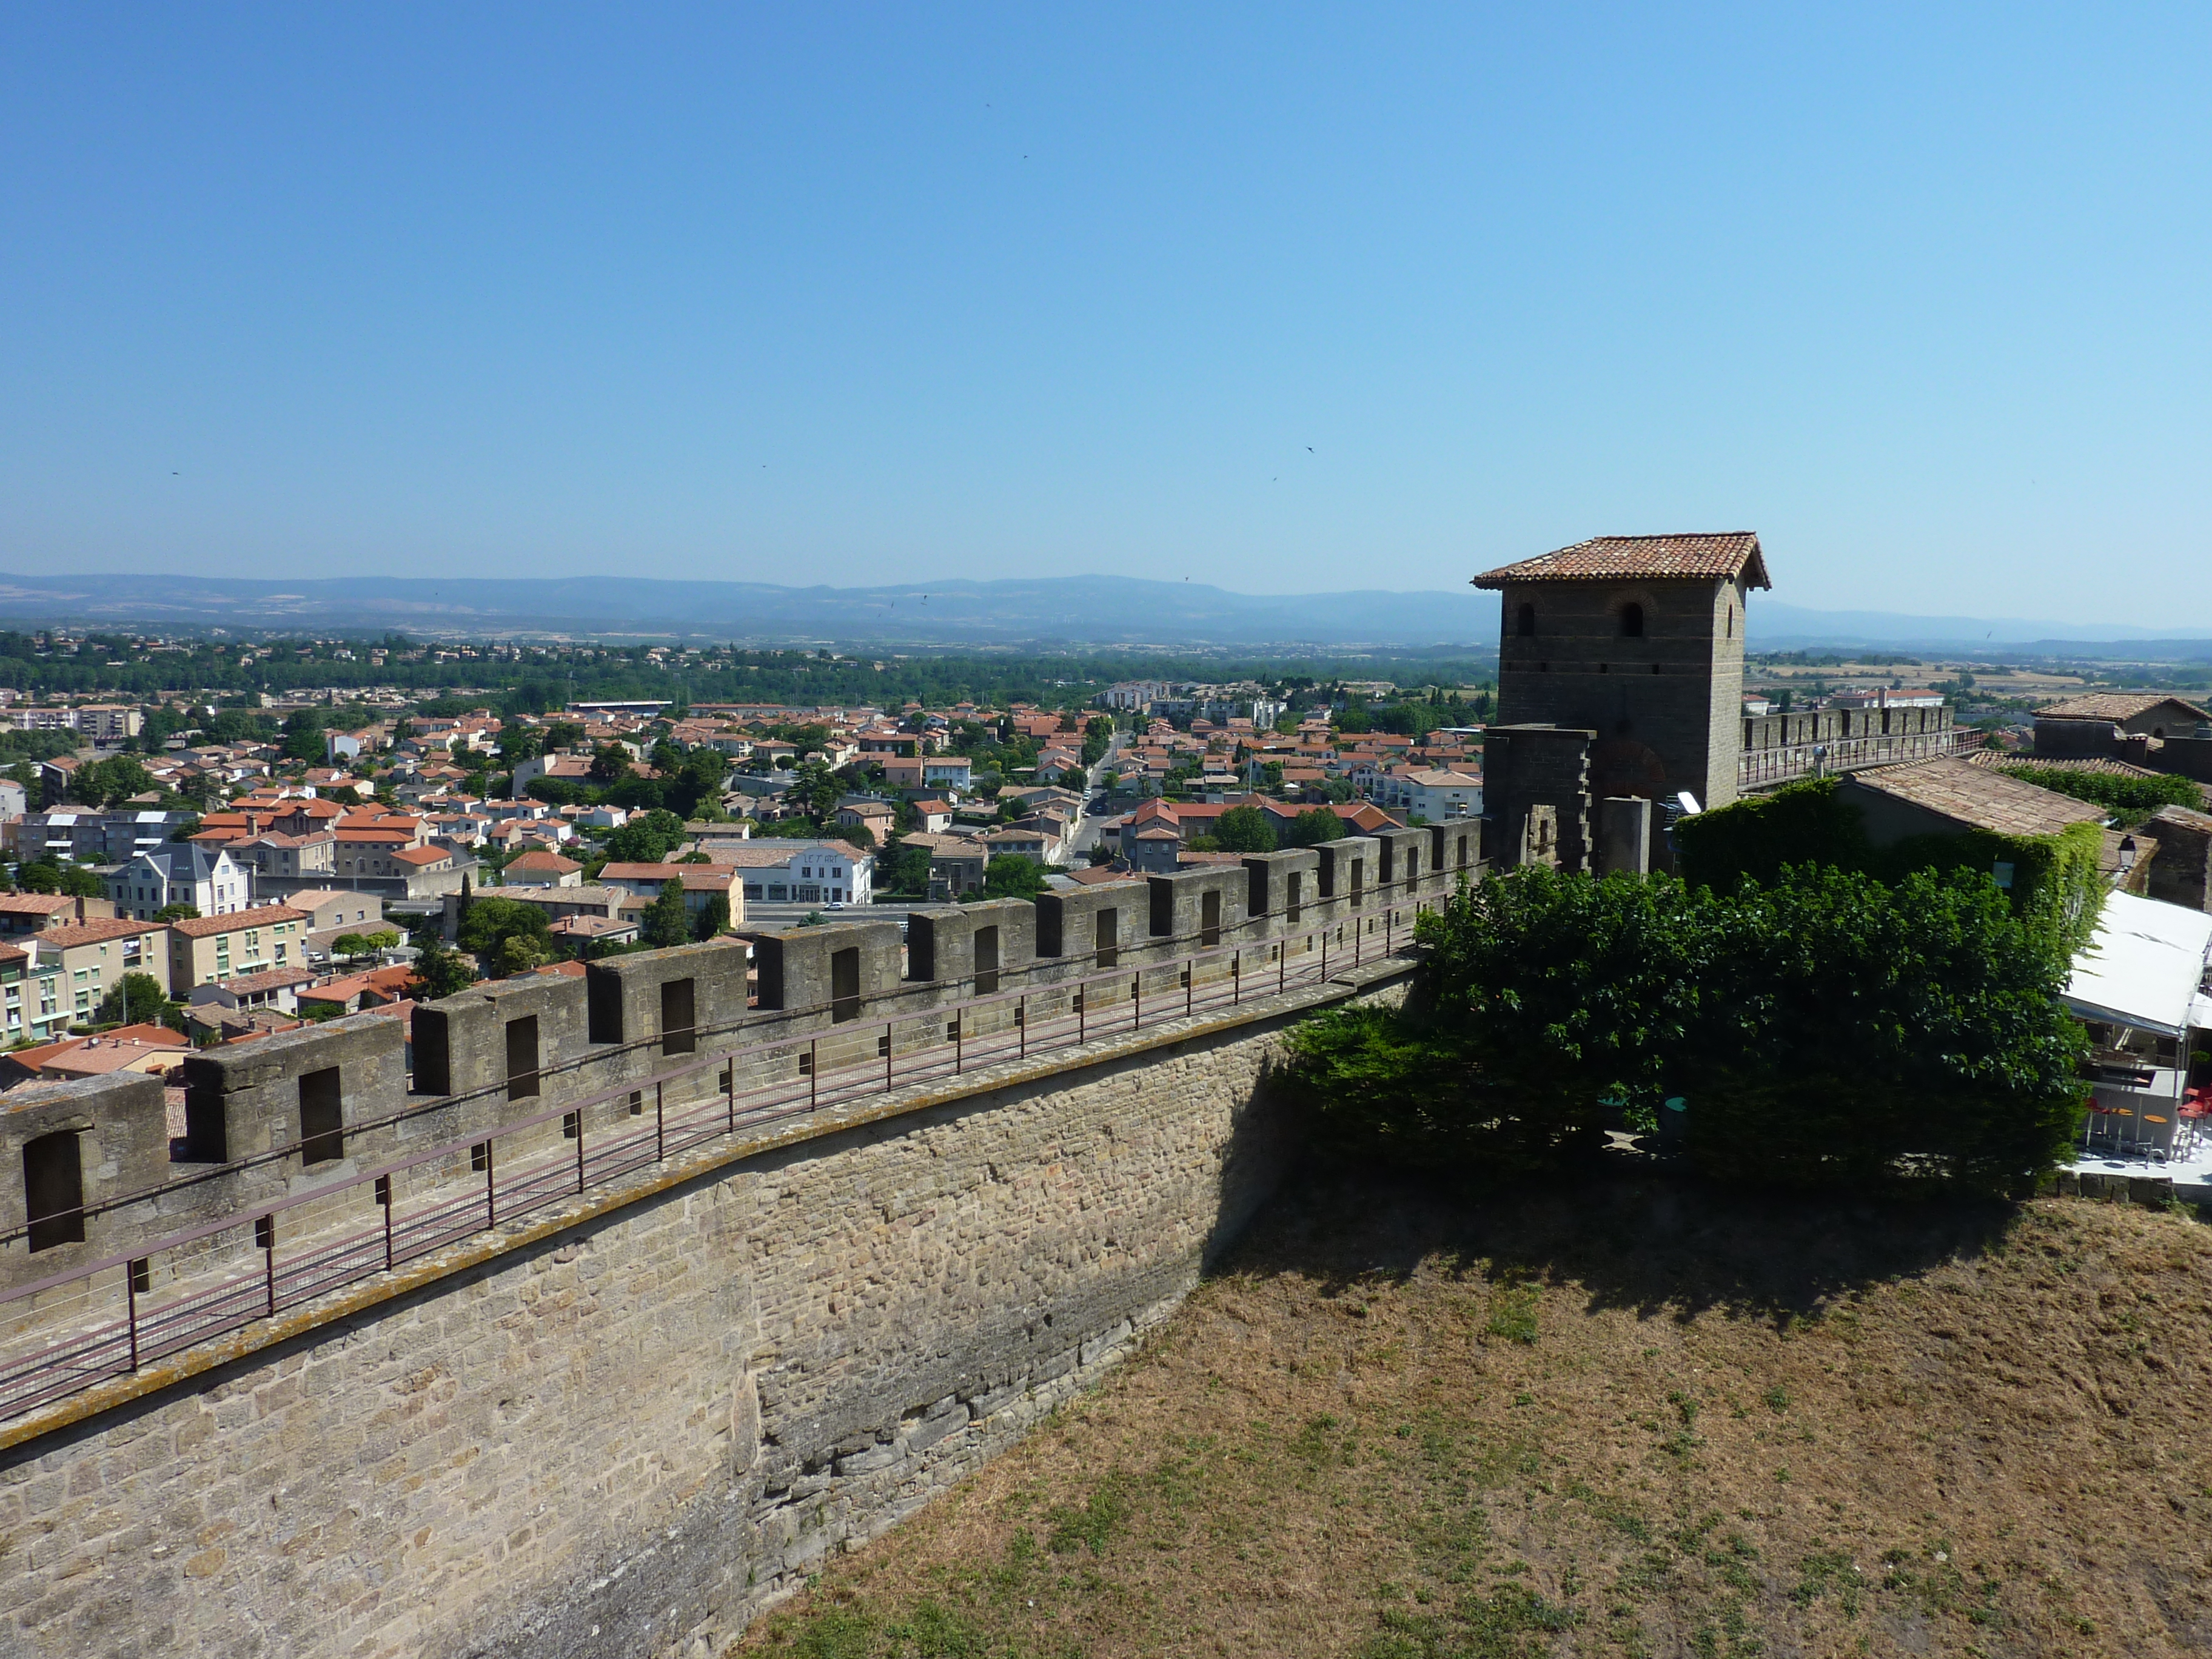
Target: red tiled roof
35 904
260 915
1615 558
95 932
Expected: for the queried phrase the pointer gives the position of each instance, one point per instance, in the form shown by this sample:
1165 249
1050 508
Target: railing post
887 1056
1081 1016
1022 1022
730 1091
384 1202
1282 966
491 1199
267 1228
660 1123
580 1150
131 1292
1189 986
1236 976
813 1072
959 1042
1137 1000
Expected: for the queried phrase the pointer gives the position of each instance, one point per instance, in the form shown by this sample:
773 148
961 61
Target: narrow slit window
986 961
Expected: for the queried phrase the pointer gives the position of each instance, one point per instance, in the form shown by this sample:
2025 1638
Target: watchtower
1639 640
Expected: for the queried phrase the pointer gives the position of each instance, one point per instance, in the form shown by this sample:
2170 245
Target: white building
778 871
209 880
1432 795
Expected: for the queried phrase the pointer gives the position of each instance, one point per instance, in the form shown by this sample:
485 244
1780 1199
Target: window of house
1631 622
1526 621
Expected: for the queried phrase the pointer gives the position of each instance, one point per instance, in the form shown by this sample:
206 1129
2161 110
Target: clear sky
1285 299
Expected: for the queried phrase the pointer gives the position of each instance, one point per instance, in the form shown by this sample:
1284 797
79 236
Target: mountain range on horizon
1058 610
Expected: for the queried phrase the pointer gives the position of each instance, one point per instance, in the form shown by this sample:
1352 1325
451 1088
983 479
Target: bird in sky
1308 449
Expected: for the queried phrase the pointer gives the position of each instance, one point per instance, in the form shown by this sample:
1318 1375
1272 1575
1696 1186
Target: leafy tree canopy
1828 1029
1009 875
488 921
1312 827
1244 830
663 922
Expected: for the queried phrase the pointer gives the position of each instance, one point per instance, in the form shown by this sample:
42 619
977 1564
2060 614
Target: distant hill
1068 610
1772 625
1073 611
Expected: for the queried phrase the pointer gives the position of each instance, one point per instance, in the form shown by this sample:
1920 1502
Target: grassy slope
1626 1418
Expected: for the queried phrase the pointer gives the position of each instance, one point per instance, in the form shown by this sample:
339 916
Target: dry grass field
1629 1418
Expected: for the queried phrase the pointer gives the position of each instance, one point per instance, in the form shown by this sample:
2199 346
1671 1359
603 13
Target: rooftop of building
1977 796
260 917
2116 706
1686 557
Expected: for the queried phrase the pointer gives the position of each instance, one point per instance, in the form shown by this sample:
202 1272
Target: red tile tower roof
1621 558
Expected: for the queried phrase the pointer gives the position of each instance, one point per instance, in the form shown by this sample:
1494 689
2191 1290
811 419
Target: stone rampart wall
624 1428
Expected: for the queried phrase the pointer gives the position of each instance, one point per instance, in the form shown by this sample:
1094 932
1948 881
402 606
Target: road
1084 834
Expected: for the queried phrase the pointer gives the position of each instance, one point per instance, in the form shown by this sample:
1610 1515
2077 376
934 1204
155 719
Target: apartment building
180 872
209 948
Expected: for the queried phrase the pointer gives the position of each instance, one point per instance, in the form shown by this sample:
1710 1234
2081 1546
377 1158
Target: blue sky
1282 299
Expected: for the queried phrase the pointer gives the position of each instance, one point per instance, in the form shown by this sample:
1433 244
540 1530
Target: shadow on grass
1629 1235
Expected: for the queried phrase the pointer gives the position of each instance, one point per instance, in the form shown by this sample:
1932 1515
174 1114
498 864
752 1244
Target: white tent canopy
2144 966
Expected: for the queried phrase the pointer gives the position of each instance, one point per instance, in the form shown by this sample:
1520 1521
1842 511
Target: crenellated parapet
311 1159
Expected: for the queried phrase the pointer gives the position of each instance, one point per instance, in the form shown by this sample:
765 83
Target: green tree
815 790
1009 875
712 920
1312 827
609 765
50 876
179 912
363 945
646 839
111 782
490 922
135 998
303 732
518 953
1244 830
663 922
441 973
1793 1022
906 868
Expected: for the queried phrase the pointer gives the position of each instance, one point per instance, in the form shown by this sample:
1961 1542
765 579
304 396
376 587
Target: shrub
2132 798
1825 1030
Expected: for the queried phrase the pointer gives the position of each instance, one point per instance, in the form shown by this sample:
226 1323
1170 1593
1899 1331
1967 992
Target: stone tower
1637 641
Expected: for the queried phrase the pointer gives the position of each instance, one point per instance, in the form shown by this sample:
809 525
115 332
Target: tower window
1527 622
1631 622
1731 619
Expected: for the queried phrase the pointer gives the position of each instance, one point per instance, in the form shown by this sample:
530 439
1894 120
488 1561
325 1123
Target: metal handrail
1056 1016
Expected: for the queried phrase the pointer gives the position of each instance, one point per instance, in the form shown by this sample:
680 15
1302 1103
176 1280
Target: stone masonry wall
626 1437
